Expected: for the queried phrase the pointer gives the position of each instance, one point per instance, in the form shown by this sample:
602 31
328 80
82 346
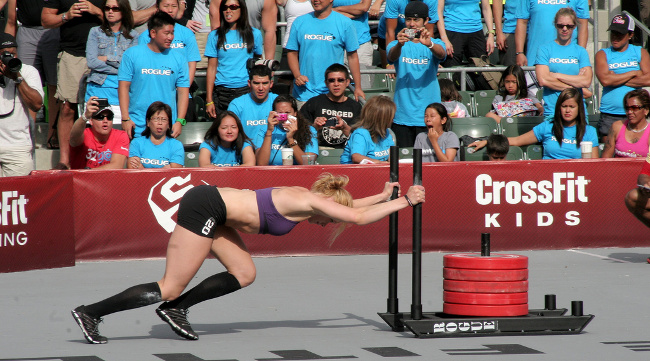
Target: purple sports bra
271 221
626 149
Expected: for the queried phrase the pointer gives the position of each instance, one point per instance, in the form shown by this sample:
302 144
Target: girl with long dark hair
226 144
228 49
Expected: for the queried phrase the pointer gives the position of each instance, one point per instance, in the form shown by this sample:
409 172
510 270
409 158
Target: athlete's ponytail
332 186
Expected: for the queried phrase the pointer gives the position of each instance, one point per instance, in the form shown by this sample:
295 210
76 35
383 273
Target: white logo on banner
564 187
164 217
13 213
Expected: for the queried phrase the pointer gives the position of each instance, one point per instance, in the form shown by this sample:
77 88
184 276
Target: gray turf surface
310 308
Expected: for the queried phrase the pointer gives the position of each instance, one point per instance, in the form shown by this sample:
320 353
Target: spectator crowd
119 80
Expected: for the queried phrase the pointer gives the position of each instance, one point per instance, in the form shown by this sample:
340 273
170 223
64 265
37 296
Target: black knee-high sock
214 286
134 297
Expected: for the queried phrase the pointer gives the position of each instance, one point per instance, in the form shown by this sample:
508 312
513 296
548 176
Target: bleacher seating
193 135
329 156
483 101
406 153
515 126
515 153
534 151
468 101
192 159
475 127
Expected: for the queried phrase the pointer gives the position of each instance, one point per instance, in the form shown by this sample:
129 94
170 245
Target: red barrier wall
36 223
523 204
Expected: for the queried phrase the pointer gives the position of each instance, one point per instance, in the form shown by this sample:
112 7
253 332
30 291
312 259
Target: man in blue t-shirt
252 109
316 41
416 60
534 17
150 73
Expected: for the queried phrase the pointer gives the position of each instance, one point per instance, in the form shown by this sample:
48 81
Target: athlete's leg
186 252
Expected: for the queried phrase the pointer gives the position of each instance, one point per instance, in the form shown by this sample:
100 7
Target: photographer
341 111
98 146
21 92
416 56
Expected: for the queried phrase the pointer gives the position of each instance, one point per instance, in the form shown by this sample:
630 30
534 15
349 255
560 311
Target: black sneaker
88 325
177 320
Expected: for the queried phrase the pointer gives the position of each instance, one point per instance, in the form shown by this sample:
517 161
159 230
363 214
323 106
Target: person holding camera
333 114
286 128
22 92
229 48
416 56
98 146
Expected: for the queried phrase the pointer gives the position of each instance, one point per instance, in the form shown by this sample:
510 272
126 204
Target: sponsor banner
524 205
36 223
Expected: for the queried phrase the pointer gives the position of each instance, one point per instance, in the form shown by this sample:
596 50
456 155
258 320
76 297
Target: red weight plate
470 298
485 310
494 261
485 287
490 275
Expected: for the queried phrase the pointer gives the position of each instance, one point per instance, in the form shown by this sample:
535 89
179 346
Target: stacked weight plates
476 285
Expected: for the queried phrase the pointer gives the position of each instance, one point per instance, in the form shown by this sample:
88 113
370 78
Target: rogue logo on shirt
565 140
552 2
414 61
166 72
154 161
235 46
380 154
562 61
624 64
256 122
319 37
177 45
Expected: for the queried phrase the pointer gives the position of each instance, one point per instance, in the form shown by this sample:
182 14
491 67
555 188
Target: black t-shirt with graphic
322 106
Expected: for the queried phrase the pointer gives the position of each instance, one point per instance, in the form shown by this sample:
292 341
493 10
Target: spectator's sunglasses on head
232 7
337 80
568 26
116 9
102 116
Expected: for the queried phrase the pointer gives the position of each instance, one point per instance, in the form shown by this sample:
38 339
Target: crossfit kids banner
36 223
523 204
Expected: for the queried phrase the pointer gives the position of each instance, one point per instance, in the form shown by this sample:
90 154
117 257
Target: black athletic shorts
202 209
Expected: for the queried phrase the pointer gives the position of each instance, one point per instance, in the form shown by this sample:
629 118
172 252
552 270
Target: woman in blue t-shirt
560 137
562 63
228 50
156 148
226 144
371 140
104 49
286 128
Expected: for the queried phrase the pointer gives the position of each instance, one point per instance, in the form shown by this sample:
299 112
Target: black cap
7 41
416 9
621 23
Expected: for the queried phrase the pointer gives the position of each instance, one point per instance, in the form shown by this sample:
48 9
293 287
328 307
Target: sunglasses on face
115 9
634 107
562 26
232 7
336 80
103 116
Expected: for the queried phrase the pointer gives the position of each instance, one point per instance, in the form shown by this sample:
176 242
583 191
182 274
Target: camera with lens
271 63
12 64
